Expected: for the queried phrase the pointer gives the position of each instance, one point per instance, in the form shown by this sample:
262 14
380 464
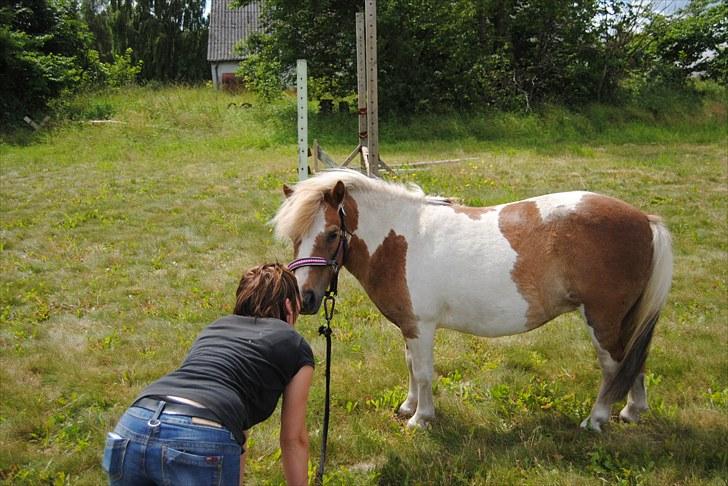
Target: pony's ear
335 197
287 191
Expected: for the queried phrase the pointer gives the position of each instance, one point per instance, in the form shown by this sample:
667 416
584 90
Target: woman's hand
294 435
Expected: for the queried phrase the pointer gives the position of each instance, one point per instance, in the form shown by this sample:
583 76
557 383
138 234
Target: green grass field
120 241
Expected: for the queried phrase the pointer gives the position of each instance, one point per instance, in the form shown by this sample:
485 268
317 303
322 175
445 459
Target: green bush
81 108
46 58
260 70
123 71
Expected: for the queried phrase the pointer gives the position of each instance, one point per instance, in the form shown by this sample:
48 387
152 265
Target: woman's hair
263 291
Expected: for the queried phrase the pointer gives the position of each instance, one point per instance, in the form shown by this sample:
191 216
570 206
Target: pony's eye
331 236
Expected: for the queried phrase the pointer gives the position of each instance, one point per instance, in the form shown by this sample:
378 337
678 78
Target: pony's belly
486 324
495 310
470 288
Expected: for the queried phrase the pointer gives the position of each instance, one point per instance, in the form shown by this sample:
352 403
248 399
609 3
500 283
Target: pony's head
316 216
312 215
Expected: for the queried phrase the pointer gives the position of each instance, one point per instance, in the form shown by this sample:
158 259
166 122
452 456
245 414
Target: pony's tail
643 316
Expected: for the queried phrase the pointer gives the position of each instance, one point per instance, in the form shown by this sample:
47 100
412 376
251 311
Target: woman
189 427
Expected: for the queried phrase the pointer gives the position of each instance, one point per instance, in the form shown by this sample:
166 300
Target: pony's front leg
407 409
419 354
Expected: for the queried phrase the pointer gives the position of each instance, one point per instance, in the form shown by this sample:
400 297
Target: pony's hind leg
620 378
602 408
636 401
407 409
420 354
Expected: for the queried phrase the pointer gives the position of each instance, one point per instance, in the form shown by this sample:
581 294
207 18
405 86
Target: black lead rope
325 330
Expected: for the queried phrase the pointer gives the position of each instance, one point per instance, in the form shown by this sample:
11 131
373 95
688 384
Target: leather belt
176 408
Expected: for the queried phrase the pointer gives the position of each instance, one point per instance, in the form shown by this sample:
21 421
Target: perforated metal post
361 77
370 12
302 95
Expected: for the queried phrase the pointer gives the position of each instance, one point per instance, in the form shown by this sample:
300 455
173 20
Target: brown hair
263 291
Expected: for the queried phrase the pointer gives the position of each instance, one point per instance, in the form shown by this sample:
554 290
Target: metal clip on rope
325 330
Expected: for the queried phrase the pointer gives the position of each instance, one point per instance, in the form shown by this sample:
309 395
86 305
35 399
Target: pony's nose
308 302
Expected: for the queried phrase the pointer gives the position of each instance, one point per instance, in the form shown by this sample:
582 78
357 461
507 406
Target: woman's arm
294 435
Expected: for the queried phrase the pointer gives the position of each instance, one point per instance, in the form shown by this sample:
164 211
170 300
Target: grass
120 241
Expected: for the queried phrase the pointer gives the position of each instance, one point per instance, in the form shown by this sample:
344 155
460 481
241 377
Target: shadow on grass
541 446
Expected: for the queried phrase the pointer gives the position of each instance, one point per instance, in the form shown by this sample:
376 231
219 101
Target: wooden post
36 126
365 161
361 86
370 11
302 95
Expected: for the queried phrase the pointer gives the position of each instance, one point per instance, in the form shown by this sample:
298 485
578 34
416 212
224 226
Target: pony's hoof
418 422
589 424
631 415
406 411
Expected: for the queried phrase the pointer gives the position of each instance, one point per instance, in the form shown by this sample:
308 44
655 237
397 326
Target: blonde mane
297 213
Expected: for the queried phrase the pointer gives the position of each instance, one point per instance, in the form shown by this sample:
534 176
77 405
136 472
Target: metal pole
302 95
370 11
361 78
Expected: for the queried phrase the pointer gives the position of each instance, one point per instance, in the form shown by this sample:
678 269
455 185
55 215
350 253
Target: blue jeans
149 448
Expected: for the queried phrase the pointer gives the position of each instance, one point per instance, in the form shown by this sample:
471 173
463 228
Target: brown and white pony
493 271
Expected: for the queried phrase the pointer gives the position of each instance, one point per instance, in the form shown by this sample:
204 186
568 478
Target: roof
228 27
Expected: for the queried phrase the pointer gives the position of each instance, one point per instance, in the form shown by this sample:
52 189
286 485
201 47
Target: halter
331 262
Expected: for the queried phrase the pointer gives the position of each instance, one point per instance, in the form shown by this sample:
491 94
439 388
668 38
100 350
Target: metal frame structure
367 106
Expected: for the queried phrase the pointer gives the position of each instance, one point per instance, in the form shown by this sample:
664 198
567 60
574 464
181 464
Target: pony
429 263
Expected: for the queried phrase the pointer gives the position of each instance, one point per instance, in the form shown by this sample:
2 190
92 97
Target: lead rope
325 330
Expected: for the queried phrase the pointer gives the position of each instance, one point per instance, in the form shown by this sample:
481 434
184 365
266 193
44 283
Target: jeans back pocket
182 467
113 461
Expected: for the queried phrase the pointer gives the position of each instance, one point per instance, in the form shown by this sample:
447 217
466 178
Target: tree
44 51
465 54
321 31
169 38
97 16
439 55
693 41
554 50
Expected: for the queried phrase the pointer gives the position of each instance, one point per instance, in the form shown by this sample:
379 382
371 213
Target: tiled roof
227 27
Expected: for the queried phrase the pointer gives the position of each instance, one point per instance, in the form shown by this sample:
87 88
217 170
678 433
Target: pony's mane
297 213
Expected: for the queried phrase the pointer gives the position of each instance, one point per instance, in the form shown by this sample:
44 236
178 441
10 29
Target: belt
176 408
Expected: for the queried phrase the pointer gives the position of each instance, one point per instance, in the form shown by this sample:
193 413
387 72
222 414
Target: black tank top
238 368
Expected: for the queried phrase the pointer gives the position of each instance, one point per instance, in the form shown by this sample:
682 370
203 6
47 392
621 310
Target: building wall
220 69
